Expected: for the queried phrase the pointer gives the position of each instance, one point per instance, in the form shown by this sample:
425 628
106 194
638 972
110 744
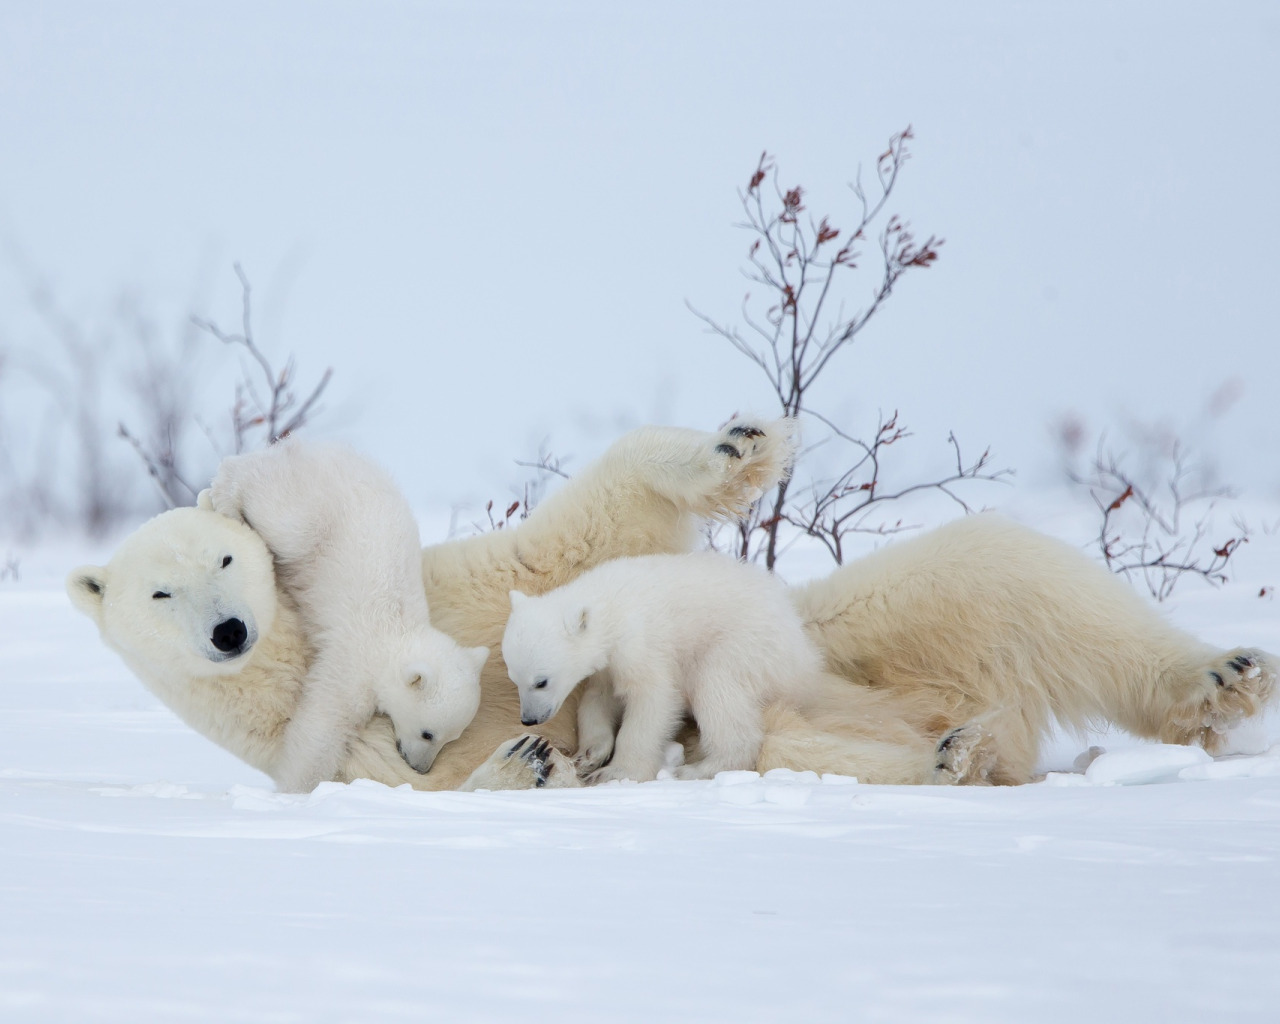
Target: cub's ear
86 587
478 656
575 623
204 501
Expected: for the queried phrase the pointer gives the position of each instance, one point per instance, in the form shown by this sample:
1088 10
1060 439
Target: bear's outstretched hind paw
1234 685
965 756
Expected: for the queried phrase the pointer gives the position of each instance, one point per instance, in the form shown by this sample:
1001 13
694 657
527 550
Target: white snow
147 875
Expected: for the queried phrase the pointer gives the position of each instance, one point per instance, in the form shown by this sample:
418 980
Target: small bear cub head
550 646
431 694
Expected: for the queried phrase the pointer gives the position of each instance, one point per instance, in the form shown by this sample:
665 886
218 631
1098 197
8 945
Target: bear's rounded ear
478 655
86 587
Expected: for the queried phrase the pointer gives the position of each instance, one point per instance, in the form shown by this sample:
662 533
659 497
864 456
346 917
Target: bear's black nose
530 721
229 635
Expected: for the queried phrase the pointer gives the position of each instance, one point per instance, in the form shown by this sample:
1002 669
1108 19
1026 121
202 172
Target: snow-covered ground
147 875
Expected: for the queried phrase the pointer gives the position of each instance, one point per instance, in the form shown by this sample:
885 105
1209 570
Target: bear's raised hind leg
749 456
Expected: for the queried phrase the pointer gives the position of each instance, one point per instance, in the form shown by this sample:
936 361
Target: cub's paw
699 770
593 756
1235 685
614 772
224 495
965 757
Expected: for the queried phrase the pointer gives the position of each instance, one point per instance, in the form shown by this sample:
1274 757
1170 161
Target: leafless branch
1158 533
277 411
803 265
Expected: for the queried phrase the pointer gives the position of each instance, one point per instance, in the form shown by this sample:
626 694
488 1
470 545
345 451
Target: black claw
940 767
1241 663
538 758
730 450
519 743
745 432
947 740
1218 678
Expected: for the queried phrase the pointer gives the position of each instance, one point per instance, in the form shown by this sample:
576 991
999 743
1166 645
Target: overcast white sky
487 217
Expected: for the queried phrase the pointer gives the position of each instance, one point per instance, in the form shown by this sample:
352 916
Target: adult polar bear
957 647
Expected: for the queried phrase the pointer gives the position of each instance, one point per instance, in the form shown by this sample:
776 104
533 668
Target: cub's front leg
598 714
335 701
270 492
652 713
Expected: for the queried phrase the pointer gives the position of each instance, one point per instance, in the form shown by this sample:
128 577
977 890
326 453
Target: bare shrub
545 467
805 320
270 410
266 407
1156 520
62 464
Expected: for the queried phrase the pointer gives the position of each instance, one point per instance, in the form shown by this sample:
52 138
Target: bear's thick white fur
662 635
991 628
955 647
347 551
650 492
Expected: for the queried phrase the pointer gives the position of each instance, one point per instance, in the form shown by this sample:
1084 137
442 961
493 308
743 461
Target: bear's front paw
528 762
535 752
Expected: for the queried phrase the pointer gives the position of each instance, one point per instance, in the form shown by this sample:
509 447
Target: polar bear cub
660 636
346 548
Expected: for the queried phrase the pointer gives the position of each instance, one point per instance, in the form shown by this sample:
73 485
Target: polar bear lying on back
346 544
981 620
662 635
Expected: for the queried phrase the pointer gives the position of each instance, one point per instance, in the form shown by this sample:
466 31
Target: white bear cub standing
346 548
662 635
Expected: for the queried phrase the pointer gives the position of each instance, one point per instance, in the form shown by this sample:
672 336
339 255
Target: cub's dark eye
226 561
160 594
539 684
427 735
